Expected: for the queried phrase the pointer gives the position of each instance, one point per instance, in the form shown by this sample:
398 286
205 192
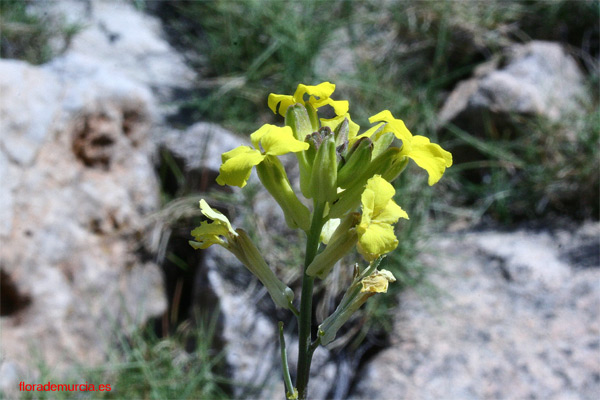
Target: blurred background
113 116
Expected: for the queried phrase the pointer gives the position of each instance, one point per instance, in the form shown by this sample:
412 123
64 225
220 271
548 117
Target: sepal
324 171
340 243
274 178
358 157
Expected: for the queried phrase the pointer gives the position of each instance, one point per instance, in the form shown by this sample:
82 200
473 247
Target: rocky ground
517 316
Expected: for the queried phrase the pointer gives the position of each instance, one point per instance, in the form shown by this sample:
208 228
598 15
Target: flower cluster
345 173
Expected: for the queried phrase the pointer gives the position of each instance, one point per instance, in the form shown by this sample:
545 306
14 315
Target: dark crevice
12 299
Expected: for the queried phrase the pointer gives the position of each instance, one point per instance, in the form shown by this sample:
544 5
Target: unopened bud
341 133
357 160
324 171
297 118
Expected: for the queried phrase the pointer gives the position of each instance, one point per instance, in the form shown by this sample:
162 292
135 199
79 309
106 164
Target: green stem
305 323
291 392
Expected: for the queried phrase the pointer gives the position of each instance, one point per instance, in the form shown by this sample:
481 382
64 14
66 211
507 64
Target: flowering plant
341 171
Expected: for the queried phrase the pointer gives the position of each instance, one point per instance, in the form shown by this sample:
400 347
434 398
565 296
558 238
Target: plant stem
305 321
284 364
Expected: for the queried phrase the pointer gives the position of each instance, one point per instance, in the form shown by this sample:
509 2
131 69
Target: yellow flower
318 97
375 231
219 231
216 232
273 140
429 156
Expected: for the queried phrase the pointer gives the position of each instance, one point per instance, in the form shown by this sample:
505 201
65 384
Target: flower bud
395 169
314 141
312 116
274 178
324 171
357 159
297 118
349 199
341 133
381 143
340 243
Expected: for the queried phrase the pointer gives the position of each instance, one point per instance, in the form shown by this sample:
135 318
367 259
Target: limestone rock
74 195
27 109
114 33
514 319
200 146
537 78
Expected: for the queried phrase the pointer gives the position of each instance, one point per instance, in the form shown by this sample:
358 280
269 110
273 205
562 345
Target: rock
9 178
200 146
337 57
73 267
513 320
538 78
24 119
114 33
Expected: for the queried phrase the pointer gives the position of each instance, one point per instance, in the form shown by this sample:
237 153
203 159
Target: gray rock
538 78
76 202
512 321
200 146
198 150
8 177
26 109
116 34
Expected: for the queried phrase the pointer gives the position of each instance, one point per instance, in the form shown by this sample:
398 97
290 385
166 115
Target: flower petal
321 91
320 96
376 239
208 234
383 193
281 100
394 125
391 213
367 200
339 106
429 156
237 166
215 215
276 140
208 229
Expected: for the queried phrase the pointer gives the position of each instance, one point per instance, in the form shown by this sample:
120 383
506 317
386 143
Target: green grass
143 366
244 49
